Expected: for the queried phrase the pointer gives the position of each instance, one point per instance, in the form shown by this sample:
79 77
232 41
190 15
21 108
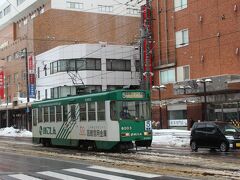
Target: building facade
196 56
85 68
31 27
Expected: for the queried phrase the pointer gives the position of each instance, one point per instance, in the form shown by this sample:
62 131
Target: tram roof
122 94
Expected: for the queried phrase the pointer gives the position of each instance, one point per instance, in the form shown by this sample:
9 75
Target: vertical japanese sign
1 84
31 77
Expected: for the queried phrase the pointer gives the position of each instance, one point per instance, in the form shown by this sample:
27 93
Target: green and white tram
106 120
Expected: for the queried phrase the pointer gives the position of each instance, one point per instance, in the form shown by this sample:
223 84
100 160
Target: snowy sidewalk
171 137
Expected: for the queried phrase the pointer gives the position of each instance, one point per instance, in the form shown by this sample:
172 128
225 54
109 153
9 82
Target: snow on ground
167 137
10 131
171 137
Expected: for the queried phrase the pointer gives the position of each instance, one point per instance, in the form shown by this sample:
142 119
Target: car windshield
131 110
228 128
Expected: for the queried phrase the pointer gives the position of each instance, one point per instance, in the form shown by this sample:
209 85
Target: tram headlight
147 133
125 134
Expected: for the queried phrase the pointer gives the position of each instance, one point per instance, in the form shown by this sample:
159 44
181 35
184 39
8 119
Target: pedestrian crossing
87 173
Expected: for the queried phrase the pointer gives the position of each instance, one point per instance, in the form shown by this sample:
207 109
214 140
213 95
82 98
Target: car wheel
194 146
224 147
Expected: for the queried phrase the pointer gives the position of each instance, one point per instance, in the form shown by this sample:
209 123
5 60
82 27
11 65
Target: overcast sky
2 1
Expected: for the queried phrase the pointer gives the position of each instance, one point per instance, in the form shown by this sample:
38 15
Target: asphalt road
36 166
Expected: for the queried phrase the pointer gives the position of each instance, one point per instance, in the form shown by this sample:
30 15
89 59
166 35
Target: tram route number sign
133 95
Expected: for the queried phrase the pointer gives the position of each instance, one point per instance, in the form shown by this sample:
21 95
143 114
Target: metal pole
160 109
205 101
7 104
27 84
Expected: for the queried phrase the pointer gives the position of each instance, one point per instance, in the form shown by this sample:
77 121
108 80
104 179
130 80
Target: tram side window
113 110
65 113
91 111
34 116
59 113
73 112
40 113
52 114
82 107
101 111
45 114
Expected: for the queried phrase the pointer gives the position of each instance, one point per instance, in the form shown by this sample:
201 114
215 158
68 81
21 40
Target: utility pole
7 105
146 39
27 84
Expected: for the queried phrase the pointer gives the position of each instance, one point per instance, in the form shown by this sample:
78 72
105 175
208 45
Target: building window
45 69
133 11
33 16
102 8
182 38
42 11
75 65
38 95
46 94
9 79
7 10
1 14
186 73
180 4
20 2
25 21
183 73
118 65
167 76
9 58
15 77
38 72
137 65
75 5
24 75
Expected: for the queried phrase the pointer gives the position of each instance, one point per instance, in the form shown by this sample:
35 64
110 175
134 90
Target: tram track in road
165 162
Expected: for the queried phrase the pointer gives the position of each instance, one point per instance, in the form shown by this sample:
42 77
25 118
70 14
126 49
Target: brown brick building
196 40
34 27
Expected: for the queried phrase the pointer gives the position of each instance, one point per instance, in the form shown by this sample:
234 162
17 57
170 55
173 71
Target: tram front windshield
130 110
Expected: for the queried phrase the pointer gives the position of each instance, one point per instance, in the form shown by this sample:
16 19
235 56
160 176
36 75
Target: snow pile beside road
10 131
171 137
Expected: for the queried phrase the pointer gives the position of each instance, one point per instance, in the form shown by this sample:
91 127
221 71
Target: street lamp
161 87
184 88
204 82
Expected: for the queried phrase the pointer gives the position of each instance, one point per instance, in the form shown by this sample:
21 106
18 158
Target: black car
214 135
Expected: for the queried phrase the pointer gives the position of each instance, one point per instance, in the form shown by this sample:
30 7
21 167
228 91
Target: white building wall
119 8
90 77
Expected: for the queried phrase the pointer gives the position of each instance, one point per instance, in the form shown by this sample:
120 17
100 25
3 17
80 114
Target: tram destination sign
133 95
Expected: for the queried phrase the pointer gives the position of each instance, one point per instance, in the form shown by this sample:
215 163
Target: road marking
96 174
59 175
135 173
24 177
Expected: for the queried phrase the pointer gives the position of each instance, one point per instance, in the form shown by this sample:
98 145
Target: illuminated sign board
133 95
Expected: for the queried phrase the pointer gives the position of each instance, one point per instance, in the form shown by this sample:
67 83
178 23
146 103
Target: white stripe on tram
23 177
59 175
96 174
134 173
